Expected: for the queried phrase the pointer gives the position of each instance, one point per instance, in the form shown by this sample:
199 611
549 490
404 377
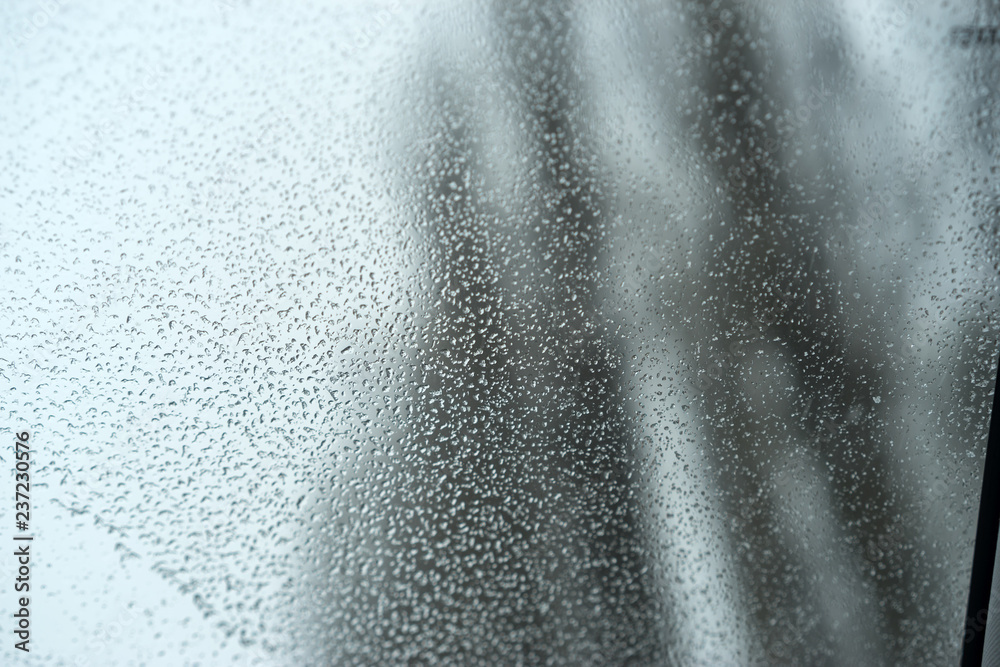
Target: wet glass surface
499 332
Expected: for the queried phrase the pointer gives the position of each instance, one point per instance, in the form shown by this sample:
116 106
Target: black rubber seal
987 533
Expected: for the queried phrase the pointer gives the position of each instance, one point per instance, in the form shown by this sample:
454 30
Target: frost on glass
500 332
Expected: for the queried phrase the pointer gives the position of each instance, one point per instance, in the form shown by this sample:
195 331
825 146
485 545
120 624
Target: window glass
498 332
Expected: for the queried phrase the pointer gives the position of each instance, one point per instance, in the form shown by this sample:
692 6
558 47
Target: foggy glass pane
492 332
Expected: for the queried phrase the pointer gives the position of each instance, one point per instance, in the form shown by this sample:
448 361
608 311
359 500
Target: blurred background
515 333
